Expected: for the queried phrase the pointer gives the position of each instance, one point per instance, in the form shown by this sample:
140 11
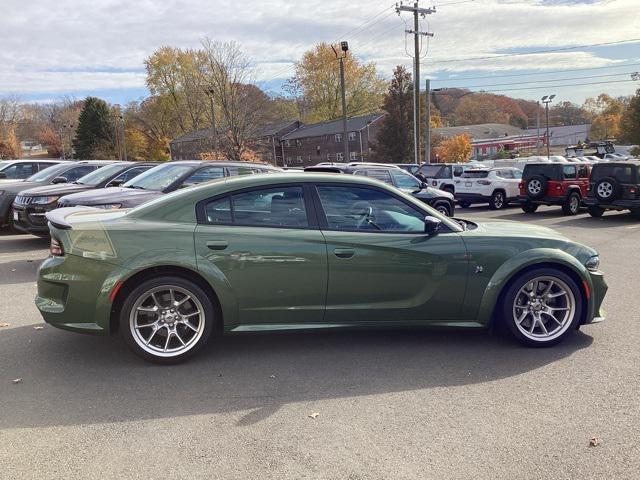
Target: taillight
521 185
434 183
55 248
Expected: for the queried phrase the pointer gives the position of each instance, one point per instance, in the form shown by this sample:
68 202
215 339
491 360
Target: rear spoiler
58 217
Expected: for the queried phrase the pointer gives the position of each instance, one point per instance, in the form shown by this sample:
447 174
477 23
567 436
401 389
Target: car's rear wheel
607 189
443 208
497 201
542 307
536 187
166 319
596 211
571 205
529 207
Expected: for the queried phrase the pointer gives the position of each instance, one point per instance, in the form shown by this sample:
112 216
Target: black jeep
614 186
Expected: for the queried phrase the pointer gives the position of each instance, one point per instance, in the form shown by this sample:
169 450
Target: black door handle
217 244
344 252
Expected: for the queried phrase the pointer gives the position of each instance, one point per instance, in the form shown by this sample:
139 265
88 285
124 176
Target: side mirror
59 180
3 175
431 225
116 182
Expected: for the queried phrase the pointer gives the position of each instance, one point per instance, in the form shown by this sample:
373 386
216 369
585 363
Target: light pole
214 137
344 46
124 139
547 99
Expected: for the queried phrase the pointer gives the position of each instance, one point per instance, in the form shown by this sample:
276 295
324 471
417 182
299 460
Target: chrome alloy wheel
574 204
499 200
167 321
534 187
605 190
544 308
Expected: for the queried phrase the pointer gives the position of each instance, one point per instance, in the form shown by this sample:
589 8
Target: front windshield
158 178
4 164
100 175
48 173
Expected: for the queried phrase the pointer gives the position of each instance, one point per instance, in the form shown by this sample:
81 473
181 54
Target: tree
455 149
567 113
94 138
10 115
317 78
393 142
51 141
630 122
487 108
606 113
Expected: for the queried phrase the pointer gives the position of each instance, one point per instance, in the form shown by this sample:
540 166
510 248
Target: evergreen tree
93 133
630 123
394 140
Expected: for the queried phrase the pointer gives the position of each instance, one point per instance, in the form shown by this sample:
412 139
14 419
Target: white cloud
102 44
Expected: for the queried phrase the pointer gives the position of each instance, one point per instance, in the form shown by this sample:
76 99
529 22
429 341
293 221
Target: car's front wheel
166 319
443 208
542 307
572 204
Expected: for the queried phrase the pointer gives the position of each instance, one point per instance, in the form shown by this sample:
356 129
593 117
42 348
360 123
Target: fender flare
515 265
178 258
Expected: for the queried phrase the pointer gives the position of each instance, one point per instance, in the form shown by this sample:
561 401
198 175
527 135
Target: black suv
614 186
442 201
563 184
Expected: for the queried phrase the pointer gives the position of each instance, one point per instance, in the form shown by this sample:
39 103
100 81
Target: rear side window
204 175
622 173
75 173
457 171
266 207
552 172
377 173
472 174
583 171
131 173
569 172
430 171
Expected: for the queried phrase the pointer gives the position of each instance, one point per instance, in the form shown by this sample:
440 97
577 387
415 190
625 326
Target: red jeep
564 184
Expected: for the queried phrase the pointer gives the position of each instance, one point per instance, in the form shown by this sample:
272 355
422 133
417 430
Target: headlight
593 264
109 206
43 200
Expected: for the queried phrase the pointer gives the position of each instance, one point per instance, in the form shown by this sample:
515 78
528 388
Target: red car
563 184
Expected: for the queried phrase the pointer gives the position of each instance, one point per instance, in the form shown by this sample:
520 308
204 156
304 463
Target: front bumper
30 219
597 293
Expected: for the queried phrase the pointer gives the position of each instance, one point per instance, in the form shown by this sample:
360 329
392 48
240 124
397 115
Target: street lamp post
214 137
124 139
547 99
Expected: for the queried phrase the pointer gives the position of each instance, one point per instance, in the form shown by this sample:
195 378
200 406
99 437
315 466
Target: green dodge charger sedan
306 251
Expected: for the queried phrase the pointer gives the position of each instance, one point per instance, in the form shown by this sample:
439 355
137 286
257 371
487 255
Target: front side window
265 207
362 209
404 180
569 172
204 175
131 174
74 174
376 173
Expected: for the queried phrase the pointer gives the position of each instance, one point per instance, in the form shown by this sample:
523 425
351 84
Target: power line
547 81
554 86
536 52
548 72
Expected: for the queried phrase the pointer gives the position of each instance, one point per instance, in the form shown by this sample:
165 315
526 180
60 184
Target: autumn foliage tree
630 122
606 112
455 149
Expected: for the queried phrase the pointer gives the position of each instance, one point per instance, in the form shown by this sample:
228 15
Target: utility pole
417 11
344 46
124 139
547 99
538 129
214 136
427 122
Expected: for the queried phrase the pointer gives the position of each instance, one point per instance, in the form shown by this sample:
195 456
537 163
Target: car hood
127 197
57 189
18 186
430 192
508 228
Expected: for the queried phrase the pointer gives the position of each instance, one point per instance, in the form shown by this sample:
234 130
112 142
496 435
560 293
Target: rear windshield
552 172
476 174
622 173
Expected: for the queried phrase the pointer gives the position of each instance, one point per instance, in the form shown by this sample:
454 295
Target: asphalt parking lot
390 404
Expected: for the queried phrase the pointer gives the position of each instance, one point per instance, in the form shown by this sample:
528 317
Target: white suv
443 175
495 186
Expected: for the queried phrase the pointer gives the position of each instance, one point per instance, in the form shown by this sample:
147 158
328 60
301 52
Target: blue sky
98 48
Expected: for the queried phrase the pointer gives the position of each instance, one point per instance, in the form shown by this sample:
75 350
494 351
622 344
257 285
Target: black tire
607 189
528 207
443 207
571 206
464 204
498 200
536 187
199 338
569 323
596 211
635 213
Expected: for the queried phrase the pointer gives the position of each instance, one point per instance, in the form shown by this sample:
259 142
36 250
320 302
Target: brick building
191 145
323 142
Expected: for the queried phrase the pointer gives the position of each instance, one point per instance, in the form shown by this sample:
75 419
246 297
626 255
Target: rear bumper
542 201
615 205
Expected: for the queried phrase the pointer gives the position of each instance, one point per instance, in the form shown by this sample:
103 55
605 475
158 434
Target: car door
382 266
583 179
266 245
